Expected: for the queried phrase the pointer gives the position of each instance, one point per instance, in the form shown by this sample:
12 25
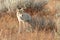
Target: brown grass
9 26
9 31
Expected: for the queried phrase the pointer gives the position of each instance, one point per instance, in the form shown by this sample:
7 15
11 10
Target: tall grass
13 4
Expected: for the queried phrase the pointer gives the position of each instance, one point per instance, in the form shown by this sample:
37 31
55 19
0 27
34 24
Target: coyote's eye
22 15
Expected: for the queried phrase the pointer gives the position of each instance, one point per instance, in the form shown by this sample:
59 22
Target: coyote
22 18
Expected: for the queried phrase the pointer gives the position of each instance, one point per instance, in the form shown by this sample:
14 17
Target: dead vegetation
43 23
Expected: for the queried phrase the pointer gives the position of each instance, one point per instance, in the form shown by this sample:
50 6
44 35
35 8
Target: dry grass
9 31
9 27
